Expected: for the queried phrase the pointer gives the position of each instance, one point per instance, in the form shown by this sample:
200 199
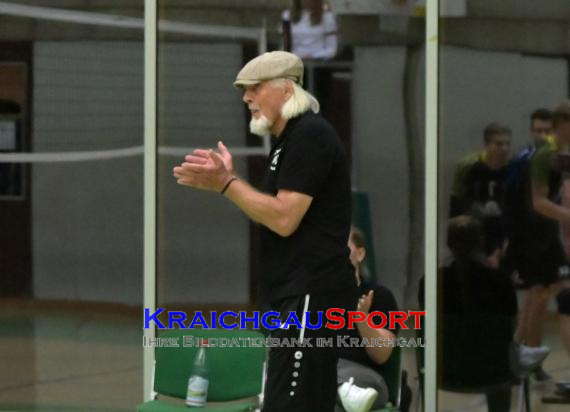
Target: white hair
261 126
299 102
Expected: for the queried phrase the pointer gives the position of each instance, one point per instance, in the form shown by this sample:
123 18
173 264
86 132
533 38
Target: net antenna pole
150 172
431 202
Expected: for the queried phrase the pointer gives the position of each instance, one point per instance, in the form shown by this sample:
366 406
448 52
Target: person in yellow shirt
522 247
543 262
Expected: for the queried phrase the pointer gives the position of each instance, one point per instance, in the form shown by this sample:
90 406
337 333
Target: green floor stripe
58 408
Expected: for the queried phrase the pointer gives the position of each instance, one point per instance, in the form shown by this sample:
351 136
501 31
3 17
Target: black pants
303 378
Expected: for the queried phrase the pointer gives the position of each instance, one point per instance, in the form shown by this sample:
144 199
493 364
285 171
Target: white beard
261 126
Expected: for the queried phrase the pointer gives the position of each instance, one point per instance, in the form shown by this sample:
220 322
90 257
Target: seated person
479 308
472 282
361 385
476 284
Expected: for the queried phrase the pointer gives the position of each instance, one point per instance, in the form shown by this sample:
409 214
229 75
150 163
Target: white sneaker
356 399
527 358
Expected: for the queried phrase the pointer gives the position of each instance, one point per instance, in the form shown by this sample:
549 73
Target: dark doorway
15 194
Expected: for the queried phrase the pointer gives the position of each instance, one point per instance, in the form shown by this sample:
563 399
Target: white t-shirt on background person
313 41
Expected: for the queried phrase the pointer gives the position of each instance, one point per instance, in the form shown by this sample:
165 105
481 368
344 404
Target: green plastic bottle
197 392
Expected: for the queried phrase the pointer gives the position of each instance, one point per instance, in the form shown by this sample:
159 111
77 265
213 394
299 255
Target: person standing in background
478 184
548 268
310 30
541 126
516 214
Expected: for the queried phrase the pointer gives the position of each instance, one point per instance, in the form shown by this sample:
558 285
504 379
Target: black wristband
232 179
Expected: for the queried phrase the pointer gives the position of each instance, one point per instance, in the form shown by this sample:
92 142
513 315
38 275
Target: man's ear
288 90
360 254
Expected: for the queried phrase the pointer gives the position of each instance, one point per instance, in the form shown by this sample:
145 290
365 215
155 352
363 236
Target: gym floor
69 357
557 364
88 357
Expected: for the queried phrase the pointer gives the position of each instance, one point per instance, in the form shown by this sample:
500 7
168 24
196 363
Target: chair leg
524 395
526 388
421 394
418 395
499 400
520 397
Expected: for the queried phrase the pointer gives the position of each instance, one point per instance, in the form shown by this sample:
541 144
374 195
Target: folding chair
392 373
476 359
235 372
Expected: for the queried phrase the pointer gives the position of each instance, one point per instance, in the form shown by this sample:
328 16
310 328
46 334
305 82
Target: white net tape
100 19
56 157
89 18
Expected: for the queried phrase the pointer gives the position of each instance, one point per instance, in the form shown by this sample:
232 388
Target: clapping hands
206 169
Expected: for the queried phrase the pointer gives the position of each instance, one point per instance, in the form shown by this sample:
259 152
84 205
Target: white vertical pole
149 291
262 48
262 41
431 201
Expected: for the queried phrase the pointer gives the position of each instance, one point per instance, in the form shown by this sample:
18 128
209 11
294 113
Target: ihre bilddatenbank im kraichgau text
270 321
341 341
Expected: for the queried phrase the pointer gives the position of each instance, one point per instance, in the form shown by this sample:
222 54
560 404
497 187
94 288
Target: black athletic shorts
304 379
537 264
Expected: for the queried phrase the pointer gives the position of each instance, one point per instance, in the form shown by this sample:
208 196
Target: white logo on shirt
275 160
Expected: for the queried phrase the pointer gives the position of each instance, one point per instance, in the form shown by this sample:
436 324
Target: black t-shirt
485 185
384 302
308 157
478 323
479 191
472 288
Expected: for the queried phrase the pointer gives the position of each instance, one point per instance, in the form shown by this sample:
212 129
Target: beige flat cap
271 65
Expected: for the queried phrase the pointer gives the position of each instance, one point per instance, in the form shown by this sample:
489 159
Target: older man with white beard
304 210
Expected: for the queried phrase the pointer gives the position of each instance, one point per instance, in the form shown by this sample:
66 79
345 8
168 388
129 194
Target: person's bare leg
564 318
565 331
521 334
536 315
